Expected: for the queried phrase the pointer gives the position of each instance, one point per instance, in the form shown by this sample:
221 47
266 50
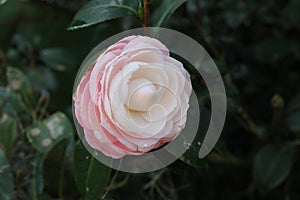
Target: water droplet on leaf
186 145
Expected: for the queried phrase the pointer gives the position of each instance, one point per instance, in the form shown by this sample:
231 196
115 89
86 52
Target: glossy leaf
36 185
165 10
272 165
2 2
57 59
91 176
43 79
293 120
191 156
59 180
12 105
6 179
8 133
97 11
19 83
46 134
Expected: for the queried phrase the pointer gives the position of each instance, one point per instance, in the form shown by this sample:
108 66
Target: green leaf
8 133
292 10
36 185
19 83
165 10
191 156
54 176
43 78
46 134
59 181
2 2
6 179
293 120
12 105
97 11
272 165
57 59
91 176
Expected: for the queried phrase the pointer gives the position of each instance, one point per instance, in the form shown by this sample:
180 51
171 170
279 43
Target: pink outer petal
118 47
106 148
78 96
96 75
143 42
128 39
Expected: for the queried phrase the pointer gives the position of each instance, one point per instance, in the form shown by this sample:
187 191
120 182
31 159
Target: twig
278 104
293 110
157 176
244 118
146 13
110 185
42 105
202 28
120 184
246 121
229 159
293 143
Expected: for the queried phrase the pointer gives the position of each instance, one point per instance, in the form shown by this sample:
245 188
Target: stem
229 159
120 184
203 30
110 185
278 104
243 117
245 120
146 13
156 177
293 110
293 143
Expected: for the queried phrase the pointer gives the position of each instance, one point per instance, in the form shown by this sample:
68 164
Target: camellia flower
134 98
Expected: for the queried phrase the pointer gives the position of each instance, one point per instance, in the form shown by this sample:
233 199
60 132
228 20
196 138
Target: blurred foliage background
256 47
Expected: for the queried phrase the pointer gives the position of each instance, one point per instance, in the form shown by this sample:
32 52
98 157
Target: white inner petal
142 94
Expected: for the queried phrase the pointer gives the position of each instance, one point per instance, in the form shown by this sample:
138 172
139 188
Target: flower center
142 94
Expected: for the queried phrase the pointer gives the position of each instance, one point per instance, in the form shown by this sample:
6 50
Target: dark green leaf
191 156
58 59
36 185
293 120
59 181
91 176
292 10
18 82
231 90
97 11
12 104
165 10
6 179
8 133
43 79
272 165
46 134
2 2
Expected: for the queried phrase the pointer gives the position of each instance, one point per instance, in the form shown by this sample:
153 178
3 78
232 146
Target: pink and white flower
134 98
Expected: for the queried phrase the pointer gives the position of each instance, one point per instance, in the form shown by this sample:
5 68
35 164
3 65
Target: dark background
256 47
